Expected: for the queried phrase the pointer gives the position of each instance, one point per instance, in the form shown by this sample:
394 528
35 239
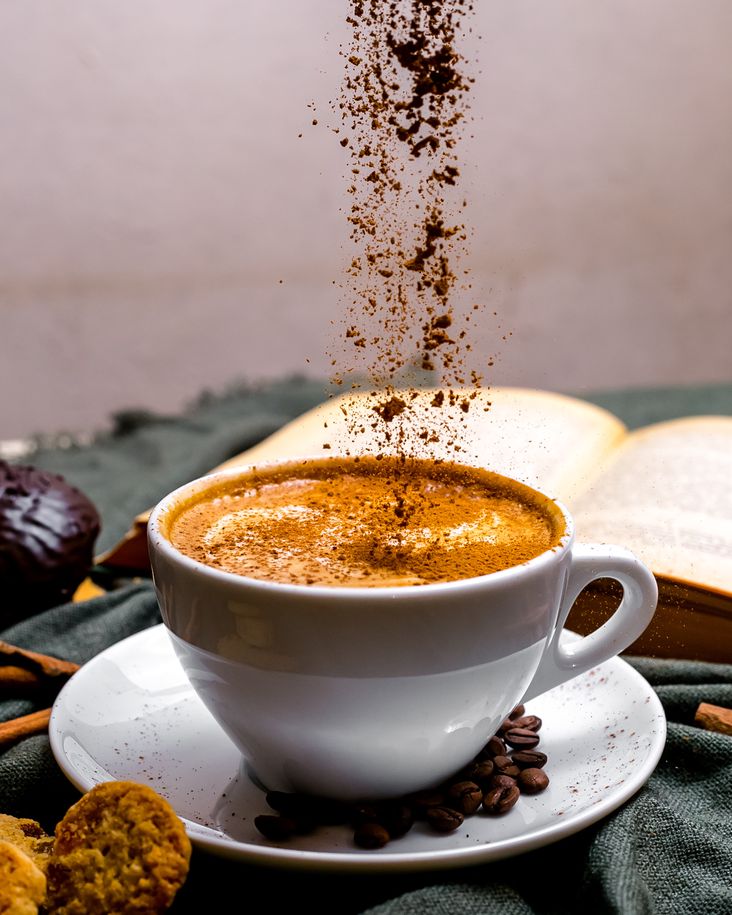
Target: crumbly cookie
120 849
22 883
27 835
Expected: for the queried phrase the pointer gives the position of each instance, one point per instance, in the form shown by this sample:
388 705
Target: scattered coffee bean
465 797
301 810
275 828
308 812
492 784
363 813
330 812
422 801
532 781
495 746
444 819
298 806
501 799
526 759
371 835
521 738
504 765
305 825
482 771
285 803
397 818
502 781
530 722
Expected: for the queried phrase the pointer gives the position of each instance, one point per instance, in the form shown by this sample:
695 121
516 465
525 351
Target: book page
550 441
666 494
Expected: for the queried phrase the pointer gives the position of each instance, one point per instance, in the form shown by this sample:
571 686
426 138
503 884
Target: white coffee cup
375 692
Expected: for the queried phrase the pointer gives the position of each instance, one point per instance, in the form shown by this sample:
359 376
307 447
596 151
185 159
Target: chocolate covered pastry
47 532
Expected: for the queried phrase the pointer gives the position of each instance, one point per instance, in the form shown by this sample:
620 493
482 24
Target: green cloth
667 850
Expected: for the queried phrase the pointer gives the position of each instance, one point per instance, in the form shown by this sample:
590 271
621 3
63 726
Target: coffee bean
501 799
495 747
526 759
370 835
444 819
481 772
502 781
285 803
465 797
532 781
504 765
363 813
493 781
521 738
530 722
293 805
422 801
275 828
397 818
329 812
305 825
306 807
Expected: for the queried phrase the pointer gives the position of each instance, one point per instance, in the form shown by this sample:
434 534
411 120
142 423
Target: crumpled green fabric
667 850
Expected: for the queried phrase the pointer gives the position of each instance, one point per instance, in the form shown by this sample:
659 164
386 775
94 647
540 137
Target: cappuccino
365 522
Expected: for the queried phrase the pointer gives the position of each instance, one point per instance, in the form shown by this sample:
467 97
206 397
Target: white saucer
131 714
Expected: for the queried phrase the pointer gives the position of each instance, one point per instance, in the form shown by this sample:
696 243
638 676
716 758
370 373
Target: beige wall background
154 192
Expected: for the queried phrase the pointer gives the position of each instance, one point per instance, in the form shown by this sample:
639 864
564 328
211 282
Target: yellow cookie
22 884
27 835
120 849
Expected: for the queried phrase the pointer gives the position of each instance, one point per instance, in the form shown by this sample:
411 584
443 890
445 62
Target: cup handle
561 662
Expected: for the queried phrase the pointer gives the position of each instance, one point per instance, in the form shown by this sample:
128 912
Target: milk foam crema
365 522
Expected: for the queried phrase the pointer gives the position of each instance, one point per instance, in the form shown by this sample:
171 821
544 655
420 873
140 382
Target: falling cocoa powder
402 106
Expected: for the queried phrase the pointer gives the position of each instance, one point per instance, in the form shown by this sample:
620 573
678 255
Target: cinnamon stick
26 726
12 677
714 718
43 664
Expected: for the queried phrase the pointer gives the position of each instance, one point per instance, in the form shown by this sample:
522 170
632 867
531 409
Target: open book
664 491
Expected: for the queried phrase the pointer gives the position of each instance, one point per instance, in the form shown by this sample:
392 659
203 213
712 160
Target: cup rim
158 541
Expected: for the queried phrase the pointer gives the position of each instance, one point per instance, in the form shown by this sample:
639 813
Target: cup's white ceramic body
376 692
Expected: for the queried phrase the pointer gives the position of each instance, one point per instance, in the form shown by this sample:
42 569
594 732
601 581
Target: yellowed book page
551 441
666 494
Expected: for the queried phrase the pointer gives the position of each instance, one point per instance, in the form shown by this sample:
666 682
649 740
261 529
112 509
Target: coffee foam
359 522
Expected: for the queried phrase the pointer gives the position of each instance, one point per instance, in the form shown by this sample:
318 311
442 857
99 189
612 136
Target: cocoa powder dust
402 107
